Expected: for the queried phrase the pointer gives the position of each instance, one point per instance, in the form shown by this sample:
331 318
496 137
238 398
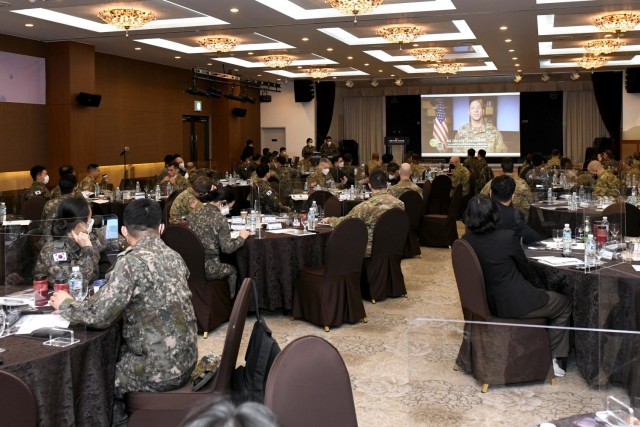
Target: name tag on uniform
59 256
269 193
37 192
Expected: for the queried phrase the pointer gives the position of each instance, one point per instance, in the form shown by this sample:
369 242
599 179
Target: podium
396 145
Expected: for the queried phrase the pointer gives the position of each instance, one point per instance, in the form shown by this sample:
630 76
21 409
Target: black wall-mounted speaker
239 112
88 99
632 80
304 90
265 98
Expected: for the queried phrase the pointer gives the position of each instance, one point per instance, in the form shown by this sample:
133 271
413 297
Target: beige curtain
364 122
582 123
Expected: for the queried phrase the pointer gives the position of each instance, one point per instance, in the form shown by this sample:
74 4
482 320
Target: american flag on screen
440 128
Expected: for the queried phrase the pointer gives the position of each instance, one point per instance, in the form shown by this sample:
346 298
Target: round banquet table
72 386
608 298
544 217
273 263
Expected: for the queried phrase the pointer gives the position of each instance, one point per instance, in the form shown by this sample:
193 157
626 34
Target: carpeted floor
401 361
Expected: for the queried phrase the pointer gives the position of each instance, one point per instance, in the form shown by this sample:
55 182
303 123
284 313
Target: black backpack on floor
249 381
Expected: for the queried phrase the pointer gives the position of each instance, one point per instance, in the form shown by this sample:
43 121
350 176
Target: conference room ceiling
546 36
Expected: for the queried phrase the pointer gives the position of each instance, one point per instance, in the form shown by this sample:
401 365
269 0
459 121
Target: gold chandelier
354 7
400 34
603 46
429 54
591 62
277 61
126 18
447 67
618 22
218 43
318 73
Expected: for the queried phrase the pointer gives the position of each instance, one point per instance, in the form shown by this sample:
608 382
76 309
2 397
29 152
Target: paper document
31 322
558 261
17 222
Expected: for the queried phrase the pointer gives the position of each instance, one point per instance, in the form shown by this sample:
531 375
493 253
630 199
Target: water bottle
311 217
605 224
306 187
252 222
581 194
118 194
587 227
634 195
590 251
566 240
549 194
3 212
169 189
158 193
97 189
574 201
77 287
137 186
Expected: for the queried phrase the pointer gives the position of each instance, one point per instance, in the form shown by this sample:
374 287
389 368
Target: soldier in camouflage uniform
175 178
210 173
210 225
522 195
329 148
459 176
319 177
148 288
472 163
91 180
486 173
607 183
416 168
242 170
39 186
308 149
63 170
554 161
188 200
370 210
405 183
480 133
71 245
269 198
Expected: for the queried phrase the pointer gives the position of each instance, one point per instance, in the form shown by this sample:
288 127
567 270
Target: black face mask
452 166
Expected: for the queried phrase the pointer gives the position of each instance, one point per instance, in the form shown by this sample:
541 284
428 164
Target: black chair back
346 247
32 208
320 197
469 279
440 195
426 194
625 214
332 207
414 207
184 241
390 233
19 405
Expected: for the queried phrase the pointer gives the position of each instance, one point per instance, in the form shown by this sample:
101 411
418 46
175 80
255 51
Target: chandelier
277 61
218 43
447 67
354 7
318 73
603 46
400 34
126 18
429 54
591 62
618 22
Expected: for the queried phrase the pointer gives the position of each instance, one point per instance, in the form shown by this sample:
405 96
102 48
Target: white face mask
90 226
325 171
391 177
224 210
341 164
181 165
45 180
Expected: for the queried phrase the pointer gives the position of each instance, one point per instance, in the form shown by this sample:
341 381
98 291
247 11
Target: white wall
630 115
297 118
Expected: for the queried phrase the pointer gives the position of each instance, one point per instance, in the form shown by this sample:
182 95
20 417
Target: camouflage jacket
58 256
181 183
308 151
202 172
51 207
554 162
55 193
417 170
486 136
88 184
521 196
184 203
269 199
241 171
37 189
369 211
460 176
213 230
148 287
607 185
486 175
329 151
473 164
402 186
318 178
305 164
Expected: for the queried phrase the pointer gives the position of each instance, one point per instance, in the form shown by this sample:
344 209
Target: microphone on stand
124 151
124 162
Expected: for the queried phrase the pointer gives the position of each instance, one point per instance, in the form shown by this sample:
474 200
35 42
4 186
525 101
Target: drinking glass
614 229
3 323
557 236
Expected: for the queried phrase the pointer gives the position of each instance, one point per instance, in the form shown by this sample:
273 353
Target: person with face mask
182 168
39 185
392 172
71 244
148 289
309 148
329 149
211 226
338 174
321 175
269 198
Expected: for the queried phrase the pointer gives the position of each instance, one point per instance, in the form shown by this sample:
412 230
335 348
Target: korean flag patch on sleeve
59 256
269 193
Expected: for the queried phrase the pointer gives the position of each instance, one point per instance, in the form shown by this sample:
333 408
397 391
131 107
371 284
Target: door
195 144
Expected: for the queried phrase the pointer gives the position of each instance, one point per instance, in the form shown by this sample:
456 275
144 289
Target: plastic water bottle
97 189
550 194
3 212
634 195
77 286
169 189
118 194
566 240
605 224
138 186
252 222
587 227
590 251
311 217
581 194
158 193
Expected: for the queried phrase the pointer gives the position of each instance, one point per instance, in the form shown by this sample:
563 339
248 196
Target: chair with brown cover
332 207
169 408
320 197
18 404
440 197
32 208
330 294
414 207
166 212
426 194
309 385
211 298
382 276
440 231
625 214
496 354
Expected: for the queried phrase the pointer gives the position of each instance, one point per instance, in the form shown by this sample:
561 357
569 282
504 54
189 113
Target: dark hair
471 152
249 142
174 164
220 194
482 153
281 160
347 157
387 158
142 215
67 183
202 185
266 151
36 170
262 170
264 160
335 158
567 161
328 137
502 188
225 414
92 167
378 180
168 158
482 215
537 159
245 157
283 149
555 152
393 167
256 156
507 165
66 170
71 212
309 139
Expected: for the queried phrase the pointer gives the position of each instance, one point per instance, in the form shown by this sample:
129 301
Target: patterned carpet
401 361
